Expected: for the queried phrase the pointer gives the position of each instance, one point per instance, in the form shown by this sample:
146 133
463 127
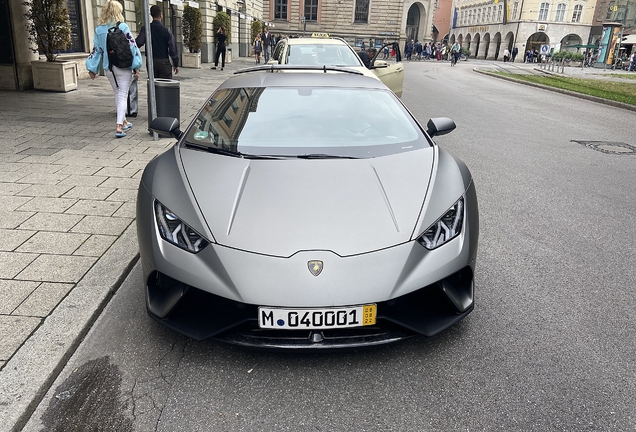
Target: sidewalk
68 189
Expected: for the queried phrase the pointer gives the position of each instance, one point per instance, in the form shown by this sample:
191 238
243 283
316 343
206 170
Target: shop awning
629 40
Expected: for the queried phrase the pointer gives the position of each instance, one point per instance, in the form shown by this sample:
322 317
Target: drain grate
610 147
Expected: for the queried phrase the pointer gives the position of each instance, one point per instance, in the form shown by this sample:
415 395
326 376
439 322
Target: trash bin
168 98
228 55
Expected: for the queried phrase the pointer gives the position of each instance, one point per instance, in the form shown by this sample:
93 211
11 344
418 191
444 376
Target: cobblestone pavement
68 190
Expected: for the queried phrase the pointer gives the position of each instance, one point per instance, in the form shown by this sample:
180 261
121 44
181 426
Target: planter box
191 60
58 76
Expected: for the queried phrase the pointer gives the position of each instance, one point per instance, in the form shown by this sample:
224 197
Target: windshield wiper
215 150
324 156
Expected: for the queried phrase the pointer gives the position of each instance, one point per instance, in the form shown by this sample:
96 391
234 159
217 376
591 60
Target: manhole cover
611 147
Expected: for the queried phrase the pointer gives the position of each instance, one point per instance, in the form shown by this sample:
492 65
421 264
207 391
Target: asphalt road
551 344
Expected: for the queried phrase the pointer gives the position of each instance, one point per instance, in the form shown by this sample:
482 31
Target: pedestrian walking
268 40
164 47
221 37
258 48
120 77
515 51
506 55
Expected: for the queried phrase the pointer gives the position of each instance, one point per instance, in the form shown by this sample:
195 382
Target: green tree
192 28
49 26
222 20
257 27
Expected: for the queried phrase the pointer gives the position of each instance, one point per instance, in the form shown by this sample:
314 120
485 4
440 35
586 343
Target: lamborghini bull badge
315 267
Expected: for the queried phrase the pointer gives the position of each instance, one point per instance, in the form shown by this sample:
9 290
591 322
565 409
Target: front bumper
201 315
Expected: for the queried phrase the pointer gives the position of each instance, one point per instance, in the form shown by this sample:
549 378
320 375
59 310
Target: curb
27 376
562 91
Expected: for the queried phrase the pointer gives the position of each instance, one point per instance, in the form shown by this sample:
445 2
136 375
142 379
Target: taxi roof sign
319 35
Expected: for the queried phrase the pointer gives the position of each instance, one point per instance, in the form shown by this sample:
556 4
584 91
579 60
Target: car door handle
399 70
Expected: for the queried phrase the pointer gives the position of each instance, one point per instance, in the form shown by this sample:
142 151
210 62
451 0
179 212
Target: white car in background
330 51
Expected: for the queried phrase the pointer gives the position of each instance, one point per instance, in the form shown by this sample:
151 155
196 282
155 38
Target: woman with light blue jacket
119 78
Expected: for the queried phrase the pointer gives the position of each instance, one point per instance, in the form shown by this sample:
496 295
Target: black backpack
118 48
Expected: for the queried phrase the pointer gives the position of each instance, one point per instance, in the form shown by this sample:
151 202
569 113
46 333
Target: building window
489 14
576 15
280 9
499 13
560 13
311 10
543 11
514 10
610 6
362 11
483 15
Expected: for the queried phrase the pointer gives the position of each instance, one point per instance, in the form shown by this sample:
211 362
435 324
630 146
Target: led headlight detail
175 231
446 228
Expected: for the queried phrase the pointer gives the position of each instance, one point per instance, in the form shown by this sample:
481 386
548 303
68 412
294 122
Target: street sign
545 49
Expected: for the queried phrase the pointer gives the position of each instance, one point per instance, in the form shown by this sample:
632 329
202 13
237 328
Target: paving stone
44 190
13 292
102 225
51 222
83 180
12 176
12 263
41 159
145 156
89 192
11 188
117 172
39 151
12 157
13 202
125 195
79 170
53 243
84 161
121 183
43 300
43 178
12 238
57 268
127 210
96 245
13 332
47 204
130 148
11 166
94 208
140 165
12 219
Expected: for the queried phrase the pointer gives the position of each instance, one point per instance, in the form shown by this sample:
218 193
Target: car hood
279 207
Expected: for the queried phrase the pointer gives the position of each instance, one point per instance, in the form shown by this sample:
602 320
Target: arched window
515 7
576 15
543 11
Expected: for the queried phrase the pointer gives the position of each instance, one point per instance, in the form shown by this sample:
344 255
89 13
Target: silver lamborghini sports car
306 210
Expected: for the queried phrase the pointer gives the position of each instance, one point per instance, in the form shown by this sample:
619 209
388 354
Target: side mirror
440 126
166 126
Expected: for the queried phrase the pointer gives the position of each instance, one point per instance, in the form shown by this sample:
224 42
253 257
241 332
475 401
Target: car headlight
446 228
175 231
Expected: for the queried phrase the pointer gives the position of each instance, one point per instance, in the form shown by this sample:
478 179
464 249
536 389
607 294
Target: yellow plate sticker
368 315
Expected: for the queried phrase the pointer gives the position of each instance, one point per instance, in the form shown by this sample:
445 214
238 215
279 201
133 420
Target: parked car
329 51
306 210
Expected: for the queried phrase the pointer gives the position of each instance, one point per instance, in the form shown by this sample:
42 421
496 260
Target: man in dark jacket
164 47
268 42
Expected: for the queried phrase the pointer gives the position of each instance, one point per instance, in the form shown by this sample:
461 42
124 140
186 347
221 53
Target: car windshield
322 54
302 121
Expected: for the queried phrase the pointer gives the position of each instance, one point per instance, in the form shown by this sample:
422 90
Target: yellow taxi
320 49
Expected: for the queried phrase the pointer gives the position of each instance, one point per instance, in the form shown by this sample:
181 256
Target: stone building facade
487 27
358 21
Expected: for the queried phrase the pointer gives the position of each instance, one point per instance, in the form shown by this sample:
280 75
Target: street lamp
302 18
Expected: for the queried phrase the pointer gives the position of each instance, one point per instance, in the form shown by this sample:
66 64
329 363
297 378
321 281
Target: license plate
317 319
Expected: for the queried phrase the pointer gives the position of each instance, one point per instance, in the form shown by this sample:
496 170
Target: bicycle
454 59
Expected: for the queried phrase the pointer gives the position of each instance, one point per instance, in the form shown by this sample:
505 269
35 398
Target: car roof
315 41
316 78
